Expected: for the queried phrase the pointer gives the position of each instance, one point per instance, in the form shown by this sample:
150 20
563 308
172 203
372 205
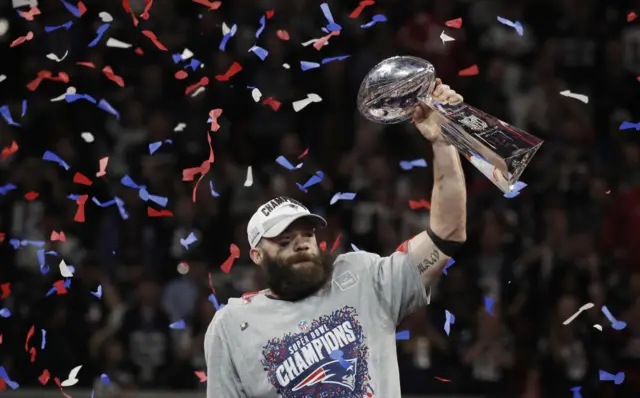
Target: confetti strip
356 13
449 319
574 316
454 23
445 38
579 97
470 71
72 379
617 378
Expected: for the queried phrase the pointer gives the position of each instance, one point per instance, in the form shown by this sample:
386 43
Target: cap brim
279 227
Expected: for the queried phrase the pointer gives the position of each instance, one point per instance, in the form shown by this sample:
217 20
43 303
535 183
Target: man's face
294 264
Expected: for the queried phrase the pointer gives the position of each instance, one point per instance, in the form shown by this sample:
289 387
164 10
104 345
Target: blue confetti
263 24
355 248
331 59
519 185
4 376
154 146
6 114
43 344
629 126
315 179
338 355
105 106
403 335
188 240
449 319
576 392
6 188
225 38
67 26
16 243
72 9
214 301
100 33
332 26
105 204
105 379
282 161
98 293
516 25
449 264
193 64
618 378
376 18
121 208
616 324
75 97
260 52
305 65
178 325
410 164
5 313
24 108
488 305
213 192
342 196
177 58
44 268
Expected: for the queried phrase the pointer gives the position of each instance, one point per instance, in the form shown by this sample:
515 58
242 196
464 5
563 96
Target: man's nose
301 244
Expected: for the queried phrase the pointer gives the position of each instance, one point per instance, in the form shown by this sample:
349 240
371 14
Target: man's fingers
454 98
419 113
440 89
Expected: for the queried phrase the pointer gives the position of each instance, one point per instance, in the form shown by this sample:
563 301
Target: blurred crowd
569 238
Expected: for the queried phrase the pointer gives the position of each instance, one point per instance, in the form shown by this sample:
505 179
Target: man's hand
427 120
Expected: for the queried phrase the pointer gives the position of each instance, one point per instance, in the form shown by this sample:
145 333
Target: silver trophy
391 90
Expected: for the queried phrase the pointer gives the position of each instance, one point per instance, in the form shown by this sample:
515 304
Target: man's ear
256 256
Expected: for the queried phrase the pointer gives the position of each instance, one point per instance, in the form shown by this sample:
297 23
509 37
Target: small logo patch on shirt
303 326
243 326
345 280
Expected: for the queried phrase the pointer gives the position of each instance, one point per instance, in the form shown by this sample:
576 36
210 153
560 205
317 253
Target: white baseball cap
273 217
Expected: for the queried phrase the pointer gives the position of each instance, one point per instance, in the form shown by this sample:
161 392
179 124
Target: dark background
567 239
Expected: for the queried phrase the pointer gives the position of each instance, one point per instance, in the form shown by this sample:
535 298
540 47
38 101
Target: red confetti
33 352
180 75
417 204
270 13
22 39
201 375
608 192
282 34
44 377
336 243
79 217
9 150
57 381
45 74
127 8
305 153
147 7
112 76
31 195
441 379
87 64
320 43
3 384
454 23
0 338
6 290
190 173
29 15
274 104
55 236
235 253
80 178
356 13
632 16
81 8
203 82
323 245
60 289
139 51
1 237
154 39
211 5
233 69
29 336
470 71
214 115
211 284
151 212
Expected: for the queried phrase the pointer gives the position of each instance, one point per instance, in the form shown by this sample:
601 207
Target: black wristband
448 247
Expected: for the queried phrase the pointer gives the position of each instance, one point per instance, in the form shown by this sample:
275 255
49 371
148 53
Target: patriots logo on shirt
329 359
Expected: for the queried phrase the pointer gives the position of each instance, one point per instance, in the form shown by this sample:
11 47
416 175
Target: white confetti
105 17
87 137
256 94
186 54
72 379
54 57
3 78
598 327
249 181
198 91
579 97
299 105
111 42
310 42
445 38
64 270
70 90
225 29
180 127
286 66
574 316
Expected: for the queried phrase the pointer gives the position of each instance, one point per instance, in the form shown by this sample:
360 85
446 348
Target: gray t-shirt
339 342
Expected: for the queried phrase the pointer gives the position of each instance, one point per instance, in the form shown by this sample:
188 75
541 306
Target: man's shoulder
355 259
236 308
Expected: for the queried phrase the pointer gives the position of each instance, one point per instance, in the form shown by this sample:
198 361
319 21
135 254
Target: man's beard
289 283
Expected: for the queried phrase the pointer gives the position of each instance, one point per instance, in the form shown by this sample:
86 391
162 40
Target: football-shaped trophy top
390 91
